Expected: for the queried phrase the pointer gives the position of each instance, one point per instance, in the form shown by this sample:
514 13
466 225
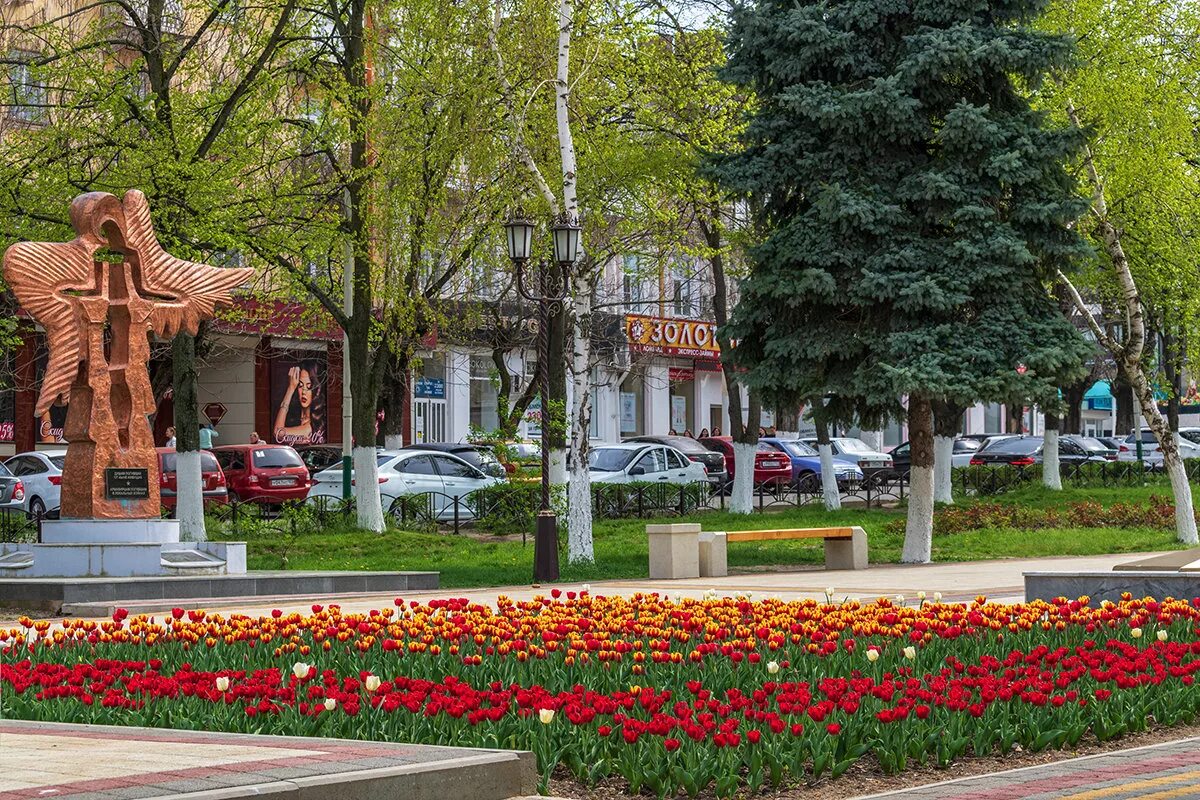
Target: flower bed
722 693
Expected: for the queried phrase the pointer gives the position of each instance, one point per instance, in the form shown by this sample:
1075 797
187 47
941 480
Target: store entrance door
429 420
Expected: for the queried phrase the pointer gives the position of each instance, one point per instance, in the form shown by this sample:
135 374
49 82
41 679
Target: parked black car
964 448
479 456
1024 451
713 462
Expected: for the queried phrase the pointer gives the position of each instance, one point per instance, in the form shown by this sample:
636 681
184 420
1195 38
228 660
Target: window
631 285
484 395
277 458
231 460
453 468
676 461
27 98
417 465
653 461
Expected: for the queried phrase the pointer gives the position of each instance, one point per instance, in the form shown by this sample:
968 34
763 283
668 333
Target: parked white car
41 473
642 462
1189 446
856 451
407 473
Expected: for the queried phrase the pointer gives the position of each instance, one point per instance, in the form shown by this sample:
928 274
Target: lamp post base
545 547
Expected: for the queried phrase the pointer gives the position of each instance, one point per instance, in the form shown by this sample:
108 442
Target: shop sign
298 395
680 374
215 412
533 419
433 388
672 337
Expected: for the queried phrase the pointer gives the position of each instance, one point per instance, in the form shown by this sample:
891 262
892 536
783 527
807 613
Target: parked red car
263 473
770 465
215 490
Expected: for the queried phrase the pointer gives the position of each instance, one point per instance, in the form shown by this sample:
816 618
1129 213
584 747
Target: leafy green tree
914 205
1133 92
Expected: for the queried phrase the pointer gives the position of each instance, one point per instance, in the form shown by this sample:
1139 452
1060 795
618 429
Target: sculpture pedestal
118 548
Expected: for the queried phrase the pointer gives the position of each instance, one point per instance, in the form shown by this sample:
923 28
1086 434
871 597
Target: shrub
1158 512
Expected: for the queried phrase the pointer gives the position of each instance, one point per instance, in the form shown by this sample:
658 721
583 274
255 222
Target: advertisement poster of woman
298 395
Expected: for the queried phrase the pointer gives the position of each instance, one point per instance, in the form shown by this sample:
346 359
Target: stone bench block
674 551
714 555
847 553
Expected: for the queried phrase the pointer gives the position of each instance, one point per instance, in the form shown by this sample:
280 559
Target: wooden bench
683 551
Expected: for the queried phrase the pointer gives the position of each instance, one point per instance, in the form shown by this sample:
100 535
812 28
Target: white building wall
658 400
710 391
227 377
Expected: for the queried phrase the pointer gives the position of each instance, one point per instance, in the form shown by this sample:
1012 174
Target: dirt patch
866 778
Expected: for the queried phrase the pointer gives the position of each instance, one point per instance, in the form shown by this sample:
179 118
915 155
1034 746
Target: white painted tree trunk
1051 476
829 486
943 463
189 498
579 493
872 439
1168 442
558 466
1185 513
741 497
393 441
918 529
366 489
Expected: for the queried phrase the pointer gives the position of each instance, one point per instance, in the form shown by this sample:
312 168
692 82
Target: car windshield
1093 445
276 458
854 446
965 445
58 461
610 459
1017 444
1191 436
685 444
797 448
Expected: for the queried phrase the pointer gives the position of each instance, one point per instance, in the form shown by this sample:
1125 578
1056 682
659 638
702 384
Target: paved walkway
95 762
961 581
1168 771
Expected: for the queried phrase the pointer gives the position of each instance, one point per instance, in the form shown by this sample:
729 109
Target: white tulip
222 684
829 591
872 655
1162 636
900 599
772 667
937 597
1136 633
587 588
546 715
330 704
300 669
372 683
910 652
920 595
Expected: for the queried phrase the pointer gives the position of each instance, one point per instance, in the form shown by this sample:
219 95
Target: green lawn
621 549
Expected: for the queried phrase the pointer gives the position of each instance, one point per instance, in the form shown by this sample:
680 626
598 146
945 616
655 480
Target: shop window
993 418
484 394
631 405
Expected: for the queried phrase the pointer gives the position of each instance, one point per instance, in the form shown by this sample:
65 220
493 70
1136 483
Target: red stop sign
215 412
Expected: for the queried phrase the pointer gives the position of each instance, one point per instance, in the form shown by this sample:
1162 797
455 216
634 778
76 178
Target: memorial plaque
126 483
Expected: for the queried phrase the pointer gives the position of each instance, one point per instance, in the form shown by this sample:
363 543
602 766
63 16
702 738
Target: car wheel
807 480
37 509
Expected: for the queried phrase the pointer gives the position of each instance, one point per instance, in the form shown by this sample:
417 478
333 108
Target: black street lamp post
549 298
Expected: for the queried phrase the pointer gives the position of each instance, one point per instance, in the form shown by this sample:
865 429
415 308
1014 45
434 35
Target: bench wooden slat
795 533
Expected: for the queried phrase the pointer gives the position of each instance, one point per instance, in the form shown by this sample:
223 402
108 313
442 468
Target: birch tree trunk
918 530
946 419
1128 355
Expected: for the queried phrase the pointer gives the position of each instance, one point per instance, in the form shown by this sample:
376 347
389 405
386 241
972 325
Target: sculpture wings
40 275
45 277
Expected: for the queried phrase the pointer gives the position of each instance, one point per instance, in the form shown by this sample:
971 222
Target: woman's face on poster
304 389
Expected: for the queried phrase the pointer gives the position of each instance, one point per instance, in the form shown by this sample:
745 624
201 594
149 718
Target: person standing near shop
170 437
207 434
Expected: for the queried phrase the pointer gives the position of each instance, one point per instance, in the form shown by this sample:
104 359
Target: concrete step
118 763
